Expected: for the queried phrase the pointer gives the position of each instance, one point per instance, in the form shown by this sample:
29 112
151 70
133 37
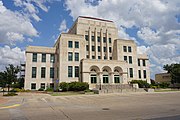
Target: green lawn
165 90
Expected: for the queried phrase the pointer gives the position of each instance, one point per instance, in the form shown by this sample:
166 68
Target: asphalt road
124 106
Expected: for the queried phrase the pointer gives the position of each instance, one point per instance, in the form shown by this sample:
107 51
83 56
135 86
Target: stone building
89 52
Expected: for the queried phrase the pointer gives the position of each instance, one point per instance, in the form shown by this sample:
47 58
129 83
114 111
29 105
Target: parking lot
121 106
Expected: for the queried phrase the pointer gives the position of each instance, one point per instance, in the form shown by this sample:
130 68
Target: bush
141 83
17 90
64 86
10 94
41 89
49 89
74 86
164 85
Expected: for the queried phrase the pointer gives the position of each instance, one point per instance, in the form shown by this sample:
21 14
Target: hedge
74 86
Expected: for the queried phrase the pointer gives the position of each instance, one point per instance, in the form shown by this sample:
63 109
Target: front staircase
121 88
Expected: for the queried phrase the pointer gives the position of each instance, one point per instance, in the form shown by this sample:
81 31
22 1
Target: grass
69 93
165 90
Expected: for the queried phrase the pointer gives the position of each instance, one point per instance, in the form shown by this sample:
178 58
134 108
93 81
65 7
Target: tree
174 70
2 81
10 75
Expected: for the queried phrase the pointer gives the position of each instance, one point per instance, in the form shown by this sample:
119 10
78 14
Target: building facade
89 52
163 78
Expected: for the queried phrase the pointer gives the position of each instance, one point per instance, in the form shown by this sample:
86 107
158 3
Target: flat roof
95 18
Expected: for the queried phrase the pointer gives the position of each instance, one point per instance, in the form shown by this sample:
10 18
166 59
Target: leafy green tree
174 70
2 81
11 75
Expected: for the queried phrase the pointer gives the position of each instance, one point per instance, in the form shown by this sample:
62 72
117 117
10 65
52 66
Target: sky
153 24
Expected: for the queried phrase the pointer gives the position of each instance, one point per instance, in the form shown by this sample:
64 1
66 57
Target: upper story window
76 44
139 73
51 72
130 59
86 37
99 57
33 72
99 49
105 49
52 58
110 50
34 57
109 40
92 37
139 63
99 39
124 48
125 58
87 47
104 39
144 71
93 48
43 72
43 57
70 56
93 57
70 44
129 49
76 56
76 71
144 63
70 71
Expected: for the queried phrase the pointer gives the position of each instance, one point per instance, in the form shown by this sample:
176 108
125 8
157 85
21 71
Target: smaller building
163 77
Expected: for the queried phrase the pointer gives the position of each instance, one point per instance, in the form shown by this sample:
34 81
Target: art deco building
90 52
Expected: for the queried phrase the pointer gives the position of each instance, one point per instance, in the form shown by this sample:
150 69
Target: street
121 106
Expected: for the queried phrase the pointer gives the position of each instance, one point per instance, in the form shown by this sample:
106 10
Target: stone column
96 44
90 46
107 45
101 44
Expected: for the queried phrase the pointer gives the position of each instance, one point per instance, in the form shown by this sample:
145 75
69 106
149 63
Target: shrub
41 89
49 89
141 83
17 90
10 94
64 86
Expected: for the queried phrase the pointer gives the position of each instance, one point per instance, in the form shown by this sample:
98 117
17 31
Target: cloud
14 26
63 26
158 28
11 56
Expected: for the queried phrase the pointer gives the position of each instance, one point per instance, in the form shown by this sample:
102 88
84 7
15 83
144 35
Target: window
70 70
33 86
110 58
92 37
70 44
105 49
43 57
93 78
99 57
99 49
76 71
51 72
76 56
43 72
87 47
99 39
125 58
130 59
43 85
129 49
104 39
52 85
34 58
87 56
139 62
110 50
116 79
52 58
93 57
124 48
109 40
105 79
33 72
86 37
144 63
144 71
70 56
76 44
93 48
131 72
105 57
139 72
